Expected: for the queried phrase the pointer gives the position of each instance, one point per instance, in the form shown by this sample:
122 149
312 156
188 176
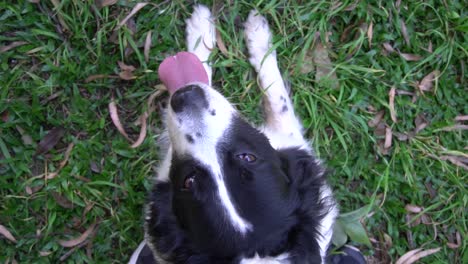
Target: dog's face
230 187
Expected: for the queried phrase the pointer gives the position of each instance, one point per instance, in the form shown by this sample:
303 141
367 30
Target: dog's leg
200 33
281 122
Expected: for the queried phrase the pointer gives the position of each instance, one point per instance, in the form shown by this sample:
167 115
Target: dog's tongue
179 70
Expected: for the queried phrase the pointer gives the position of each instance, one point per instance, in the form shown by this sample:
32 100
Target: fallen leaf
116 120
413 208
95 167
125 67
62 163
126 75
96 77
57 7
461 118
427 82
62 200
142 135
50 140
391 104
452 245
377 118
403 92
135 10
416 254
12 45
34 1
454 127
147 47
370 33
323 66
388 47
75 241
420 122
27 139
45 253
104 3
410 57
220 43
6 233
388 137
404 32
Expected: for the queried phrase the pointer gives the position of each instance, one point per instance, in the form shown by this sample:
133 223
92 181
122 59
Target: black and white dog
228 192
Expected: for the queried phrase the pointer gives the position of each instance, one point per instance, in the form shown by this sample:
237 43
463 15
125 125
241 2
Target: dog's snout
190 97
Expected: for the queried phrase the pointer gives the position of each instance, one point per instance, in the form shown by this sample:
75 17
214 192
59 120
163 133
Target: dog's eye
189 181
247 157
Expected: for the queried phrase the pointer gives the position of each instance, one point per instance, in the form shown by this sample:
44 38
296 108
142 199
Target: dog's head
232 191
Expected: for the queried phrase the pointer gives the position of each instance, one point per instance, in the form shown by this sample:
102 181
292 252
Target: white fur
281 259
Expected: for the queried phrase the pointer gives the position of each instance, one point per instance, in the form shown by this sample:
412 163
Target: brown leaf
63 162
377 118
452 245
461 118
78 240
420 122
95 167
126 75
96 77
12 45
403 92
388 137
370 33
427 82
454 127
323 66
142 135
147 47
45 253
104 3
380 130
50 140
62 200
404 32
6 233
410 57
388 47
413 208
220 43
391 104
135 10
27 139
116 120
125 67
5 116
416 254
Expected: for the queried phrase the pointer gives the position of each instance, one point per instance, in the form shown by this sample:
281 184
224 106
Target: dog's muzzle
190 98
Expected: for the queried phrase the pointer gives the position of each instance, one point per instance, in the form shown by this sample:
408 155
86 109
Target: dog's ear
301 168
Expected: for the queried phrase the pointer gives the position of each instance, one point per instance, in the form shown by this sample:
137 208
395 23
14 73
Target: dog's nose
189 97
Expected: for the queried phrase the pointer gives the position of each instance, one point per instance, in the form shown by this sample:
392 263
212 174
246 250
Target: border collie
226 191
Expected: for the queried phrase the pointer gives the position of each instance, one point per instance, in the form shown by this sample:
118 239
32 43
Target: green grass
42 86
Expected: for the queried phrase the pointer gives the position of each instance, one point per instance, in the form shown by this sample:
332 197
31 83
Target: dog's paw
200 32
258 38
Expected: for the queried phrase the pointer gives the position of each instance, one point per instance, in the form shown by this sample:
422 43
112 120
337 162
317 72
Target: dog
226 191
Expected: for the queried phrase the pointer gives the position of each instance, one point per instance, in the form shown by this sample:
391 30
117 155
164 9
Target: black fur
279 194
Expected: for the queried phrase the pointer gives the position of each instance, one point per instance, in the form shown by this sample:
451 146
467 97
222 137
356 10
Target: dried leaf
454 127
142 135
404 31
427 82
135 10
416 254
50 140
413 208
34 1
420 122
78 240
147 47
388 47
388 137
323 66
6 233
370 33
403 92
410 57
461 118
57 6
220 43
95 167
62 200
452 245
126 75
380 129
27 139
377 118
62 163
45 253
391 104
96 77
125 67
12 45
116 120
104 3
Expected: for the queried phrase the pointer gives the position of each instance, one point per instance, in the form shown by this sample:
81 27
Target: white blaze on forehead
207 130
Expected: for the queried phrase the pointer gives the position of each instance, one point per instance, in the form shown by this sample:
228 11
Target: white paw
258 38
200 32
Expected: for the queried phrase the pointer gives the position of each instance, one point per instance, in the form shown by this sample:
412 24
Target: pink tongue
179 70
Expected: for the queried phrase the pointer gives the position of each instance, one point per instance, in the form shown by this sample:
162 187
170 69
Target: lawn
380 86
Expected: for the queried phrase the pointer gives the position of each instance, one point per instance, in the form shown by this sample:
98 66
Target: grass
104 181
